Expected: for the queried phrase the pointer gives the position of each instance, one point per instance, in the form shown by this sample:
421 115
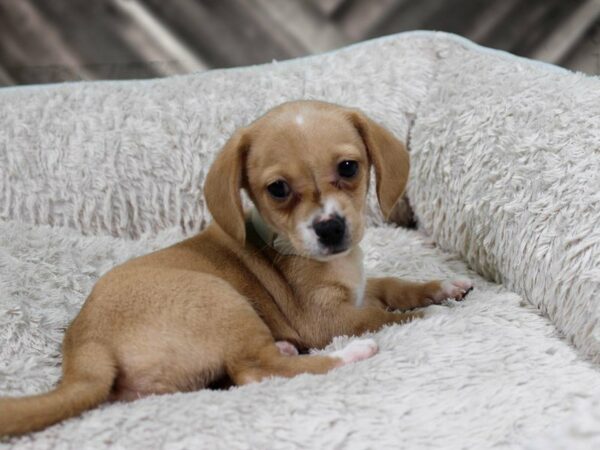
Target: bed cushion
124 158
92 174
506 172
471 375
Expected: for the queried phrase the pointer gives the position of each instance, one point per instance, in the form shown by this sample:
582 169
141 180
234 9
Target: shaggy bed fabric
505 178
514 155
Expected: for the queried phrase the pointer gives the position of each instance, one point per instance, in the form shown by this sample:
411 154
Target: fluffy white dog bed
505 178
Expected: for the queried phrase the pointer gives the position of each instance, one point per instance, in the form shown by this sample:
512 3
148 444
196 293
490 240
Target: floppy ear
389 157
224 183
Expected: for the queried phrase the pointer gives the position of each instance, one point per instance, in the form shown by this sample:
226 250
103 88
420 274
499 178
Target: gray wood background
57 40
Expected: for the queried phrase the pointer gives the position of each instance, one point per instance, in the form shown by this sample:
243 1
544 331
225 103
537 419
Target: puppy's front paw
453 289
356 350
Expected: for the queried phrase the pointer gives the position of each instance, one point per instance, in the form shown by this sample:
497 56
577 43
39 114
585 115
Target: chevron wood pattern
56 40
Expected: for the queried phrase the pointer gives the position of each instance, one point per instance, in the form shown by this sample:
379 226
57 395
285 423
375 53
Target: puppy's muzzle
332 233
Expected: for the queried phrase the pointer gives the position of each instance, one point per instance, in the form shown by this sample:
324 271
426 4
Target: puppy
238 300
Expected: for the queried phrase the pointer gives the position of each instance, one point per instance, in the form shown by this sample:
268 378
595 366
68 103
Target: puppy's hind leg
268 361
271 363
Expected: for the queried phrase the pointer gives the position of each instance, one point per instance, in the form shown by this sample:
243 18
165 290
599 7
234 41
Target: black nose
331 232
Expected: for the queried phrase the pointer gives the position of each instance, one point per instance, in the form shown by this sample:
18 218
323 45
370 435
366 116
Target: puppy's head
305 165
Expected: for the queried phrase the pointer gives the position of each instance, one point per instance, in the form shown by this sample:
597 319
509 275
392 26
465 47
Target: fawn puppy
238 300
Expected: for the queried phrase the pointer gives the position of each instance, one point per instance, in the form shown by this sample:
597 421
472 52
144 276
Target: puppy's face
307 173
305 165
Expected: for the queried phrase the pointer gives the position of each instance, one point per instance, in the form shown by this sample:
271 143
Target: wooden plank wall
56 40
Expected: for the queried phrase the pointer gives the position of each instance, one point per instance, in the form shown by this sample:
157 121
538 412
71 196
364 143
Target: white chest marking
299 119
349 269
360 289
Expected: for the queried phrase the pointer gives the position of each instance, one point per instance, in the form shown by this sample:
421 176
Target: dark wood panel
222 31
56 40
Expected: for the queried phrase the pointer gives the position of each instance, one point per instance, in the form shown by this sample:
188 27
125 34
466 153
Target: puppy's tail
89 372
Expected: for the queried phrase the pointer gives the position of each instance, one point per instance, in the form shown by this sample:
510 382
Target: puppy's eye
279 189
347 169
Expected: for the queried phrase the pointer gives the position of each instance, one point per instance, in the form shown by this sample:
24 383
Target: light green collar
269 236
